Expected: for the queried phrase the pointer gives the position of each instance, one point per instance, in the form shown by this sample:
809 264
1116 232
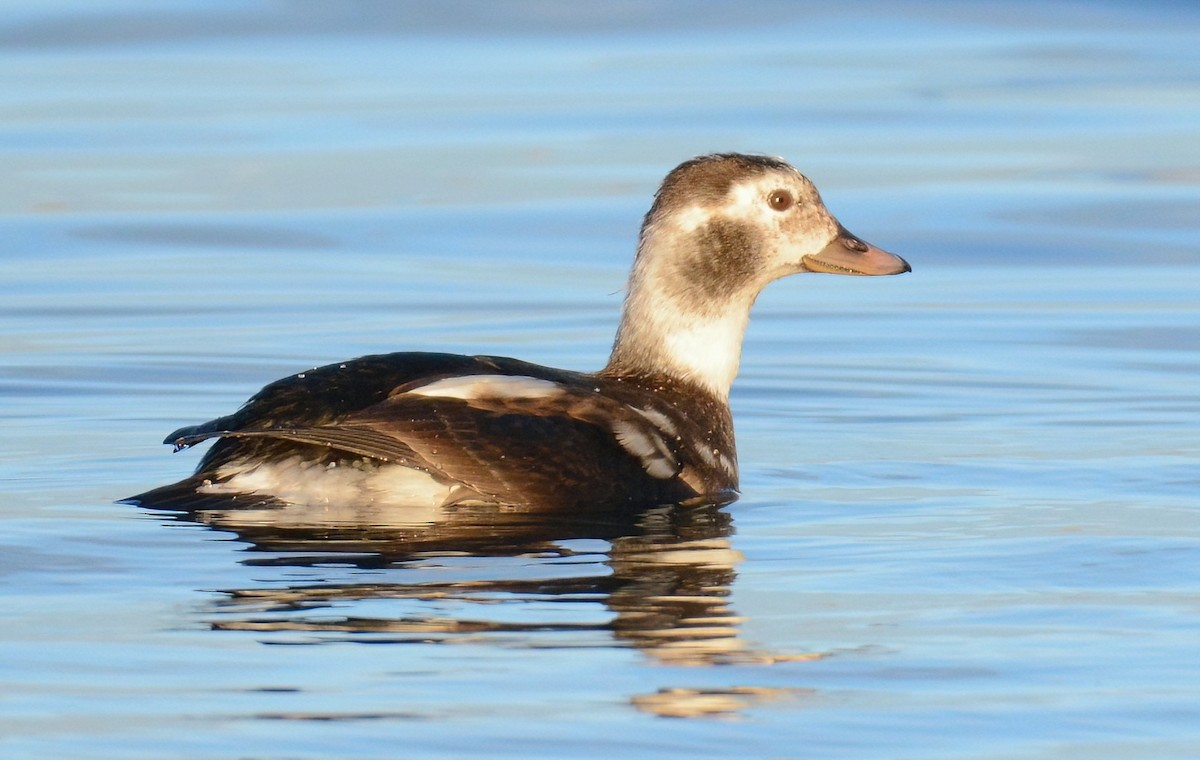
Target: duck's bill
848 254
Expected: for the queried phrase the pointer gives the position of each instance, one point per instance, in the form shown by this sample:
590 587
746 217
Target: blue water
970 522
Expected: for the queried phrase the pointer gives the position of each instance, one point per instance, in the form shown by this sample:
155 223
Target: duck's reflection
658 580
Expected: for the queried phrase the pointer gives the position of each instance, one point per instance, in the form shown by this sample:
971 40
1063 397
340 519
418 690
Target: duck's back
469 429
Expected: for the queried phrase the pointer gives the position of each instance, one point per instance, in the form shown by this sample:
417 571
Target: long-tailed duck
432 430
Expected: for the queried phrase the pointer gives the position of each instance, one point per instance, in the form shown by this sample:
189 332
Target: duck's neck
662 332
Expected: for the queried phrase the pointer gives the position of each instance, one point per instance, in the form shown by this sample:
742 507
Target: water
969 527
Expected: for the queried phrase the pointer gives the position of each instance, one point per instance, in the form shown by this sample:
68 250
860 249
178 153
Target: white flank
727 464
659 420
298 481
469 387
656 457
714 458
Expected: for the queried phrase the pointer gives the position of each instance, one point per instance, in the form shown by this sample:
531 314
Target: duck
652 427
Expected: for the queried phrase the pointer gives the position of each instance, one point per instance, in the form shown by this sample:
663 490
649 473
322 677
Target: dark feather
362 441
552 450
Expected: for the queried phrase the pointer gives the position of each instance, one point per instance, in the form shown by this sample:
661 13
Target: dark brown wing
322 399
324 395
543 452
575 440
352 440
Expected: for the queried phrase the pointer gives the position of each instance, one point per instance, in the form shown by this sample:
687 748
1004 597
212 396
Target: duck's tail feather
185 496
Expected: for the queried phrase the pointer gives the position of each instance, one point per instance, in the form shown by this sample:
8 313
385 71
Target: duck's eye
780 200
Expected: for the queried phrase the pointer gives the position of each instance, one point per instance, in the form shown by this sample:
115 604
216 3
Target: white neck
661 334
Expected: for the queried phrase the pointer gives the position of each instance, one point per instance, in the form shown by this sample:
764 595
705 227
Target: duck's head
721 227
743 220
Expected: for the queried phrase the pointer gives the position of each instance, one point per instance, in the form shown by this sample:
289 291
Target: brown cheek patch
723 258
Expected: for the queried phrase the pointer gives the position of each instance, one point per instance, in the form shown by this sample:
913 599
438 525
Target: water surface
969 525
